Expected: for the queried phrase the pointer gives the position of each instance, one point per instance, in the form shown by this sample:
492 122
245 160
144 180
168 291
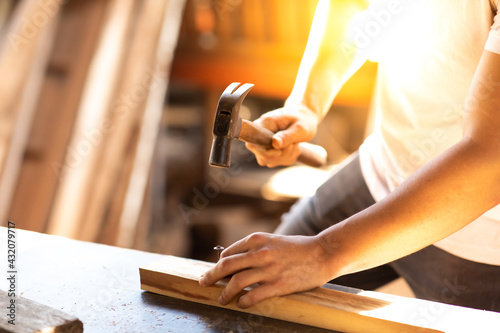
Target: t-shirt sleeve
493 42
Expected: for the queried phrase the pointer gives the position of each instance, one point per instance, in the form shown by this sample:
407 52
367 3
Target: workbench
100 285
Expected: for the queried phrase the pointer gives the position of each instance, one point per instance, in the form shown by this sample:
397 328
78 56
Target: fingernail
202 281
240 303
221 301
278 141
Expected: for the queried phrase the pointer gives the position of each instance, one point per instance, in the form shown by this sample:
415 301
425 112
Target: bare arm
442 197
329 61
330 58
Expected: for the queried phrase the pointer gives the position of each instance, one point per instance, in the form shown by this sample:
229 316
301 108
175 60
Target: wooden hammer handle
310 154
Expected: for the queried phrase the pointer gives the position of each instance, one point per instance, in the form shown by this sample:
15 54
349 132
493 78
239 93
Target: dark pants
432 273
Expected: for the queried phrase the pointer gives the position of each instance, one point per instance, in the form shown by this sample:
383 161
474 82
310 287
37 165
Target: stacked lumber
84 165
24 53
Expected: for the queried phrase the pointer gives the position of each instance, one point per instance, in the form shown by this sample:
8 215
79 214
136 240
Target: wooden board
25 104
23 61
150 124
29 316
362 311
97 95
46 158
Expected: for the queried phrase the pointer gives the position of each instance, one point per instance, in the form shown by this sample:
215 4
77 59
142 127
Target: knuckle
265 254
256 236
250 146
261 161
279 285
300 127
224 264
238 282
252 298
226 294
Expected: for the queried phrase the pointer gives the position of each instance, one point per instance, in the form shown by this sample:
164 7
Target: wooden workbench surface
100 285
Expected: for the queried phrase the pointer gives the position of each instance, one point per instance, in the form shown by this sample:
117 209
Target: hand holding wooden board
322 307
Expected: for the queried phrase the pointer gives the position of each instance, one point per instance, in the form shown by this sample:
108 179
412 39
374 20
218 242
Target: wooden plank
29 316
72 193
322 307
24 49
25 110
5 10
136 83
17 53
151 123
47 157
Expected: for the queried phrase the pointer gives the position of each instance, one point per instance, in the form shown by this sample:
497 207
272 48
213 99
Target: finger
259 150
266 157
251 242
289 136
227 265
258 294
288 156
223 268
291 153
270 120
238 282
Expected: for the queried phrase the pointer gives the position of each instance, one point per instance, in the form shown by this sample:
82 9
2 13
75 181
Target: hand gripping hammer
228 125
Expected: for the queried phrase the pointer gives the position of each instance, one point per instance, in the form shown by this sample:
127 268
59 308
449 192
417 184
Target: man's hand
278 265
292 125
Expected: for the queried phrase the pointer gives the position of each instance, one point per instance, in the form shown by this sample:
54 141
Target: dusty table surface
100 285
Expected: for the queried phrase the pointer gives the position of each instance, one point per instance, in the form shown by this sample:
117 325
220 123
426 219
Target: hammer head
227 123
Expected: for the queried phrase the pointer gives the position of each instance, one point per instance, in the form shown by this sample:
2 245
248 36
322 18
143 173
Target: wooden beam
97 96
137 83
25 106
46 158
361 311
30 316
151 123
18 47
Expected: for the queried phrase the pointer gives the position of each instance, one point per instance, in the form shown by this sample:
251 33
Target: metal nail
219 249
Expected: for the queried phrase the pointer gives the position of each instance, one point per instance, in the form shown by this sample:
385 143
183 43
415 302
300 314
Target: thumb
283 139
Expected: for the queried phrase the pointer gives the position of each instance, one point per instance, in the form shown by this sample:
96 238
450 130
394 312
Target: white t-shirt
428 52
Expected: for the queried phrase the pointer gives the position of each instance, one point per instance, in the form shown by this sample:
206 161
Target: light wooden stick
331 309
70 199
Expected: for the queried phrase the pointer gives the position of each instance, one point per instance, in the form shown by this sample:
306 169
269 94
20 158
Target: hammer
228 125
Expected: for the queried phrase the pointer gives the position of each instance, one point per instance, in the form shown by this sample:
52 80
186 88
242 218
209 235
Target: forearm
330 57
439 199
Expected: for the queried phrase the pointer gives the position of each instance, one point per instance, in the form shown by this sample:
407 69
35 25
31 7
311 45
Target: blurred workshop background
106 112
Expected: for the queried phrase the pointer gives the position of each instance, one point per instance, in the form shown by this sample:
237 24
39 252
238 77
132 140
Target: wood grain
97 95
46 159
321 307
167 27
31 316
26 103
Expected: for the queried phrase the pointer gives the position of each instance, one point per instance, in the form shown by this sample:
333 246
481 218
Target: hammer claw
233 96
228 125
